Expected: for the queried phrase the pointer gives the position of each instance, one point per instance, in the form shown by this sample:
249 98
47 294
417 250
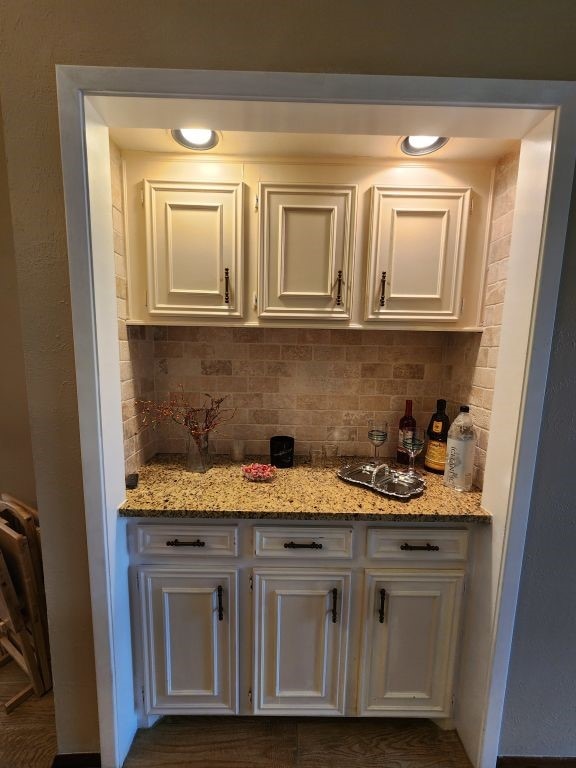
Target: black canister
282 451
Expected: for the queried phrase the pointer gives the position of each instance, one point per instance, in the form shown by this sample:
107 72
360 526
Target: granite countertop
167 489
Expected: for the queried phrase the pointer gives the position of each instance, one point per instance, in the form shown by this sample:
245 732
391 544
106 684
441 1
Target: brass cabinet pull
334 605
226 286
383 289
381 609
178 543
422 548
339 289
220 606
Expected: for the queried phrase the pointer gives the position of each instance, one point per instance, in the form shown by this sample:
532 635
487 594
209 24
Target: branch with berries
197 421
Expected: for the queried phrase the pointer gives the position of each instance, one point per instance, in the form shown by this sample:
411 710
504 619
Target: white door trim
90 300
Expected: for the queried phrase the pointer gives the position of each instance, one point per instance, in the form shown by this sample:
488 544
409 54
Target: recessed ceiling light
422 145
195 138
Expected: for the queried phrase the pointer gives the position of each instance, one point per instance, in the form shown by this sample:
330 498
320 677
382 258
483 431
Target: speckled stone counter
167 489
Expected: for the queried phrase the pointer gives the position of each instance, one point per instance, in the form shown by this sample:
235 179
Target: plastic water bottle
460 452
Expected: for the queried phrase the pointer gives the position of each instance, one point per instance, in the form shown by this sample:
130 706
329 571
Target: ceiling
253 144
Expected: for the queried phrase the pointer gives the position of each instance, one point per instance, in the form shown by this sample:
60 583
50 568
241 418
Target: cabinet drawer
187 540
303 542
417 544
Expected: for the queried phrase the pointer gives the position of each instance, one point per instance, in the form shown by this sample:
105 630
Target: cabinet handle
334 605
383 289
422 548
339 289
226 286
220 606
381 609
178 543
298 545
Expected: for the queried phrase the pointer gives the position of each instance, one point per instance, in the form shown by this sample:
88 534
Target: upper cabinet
416 253
194 246
324 244
306 250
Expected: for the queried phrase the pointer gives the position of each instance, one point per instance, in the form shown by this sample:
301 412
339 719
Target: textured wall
472 358
525 39
136 344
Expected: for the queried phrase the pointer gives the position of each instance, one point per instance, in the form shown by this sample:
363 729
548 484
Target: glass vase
197 453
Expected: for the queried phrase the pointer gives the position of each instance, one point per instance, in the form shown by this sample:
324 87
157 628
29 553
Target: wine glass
377 434
413 443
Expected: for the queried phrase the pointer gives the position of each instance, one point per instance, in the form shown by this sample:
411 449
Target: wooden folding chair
23 520
15 640
14 547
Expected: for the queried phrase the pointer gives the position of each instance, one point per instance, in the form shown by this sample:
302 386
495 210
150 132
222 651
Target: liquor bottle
435 458
405 429
460 452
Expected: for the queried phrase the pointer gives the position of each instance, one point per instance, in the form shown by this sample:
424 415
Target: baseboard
536 762
80 760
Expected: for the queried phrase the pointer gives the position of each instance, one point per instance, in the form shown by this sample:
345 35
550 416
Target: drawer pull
381 609
334 605
298 545
220 606
178 543
420 547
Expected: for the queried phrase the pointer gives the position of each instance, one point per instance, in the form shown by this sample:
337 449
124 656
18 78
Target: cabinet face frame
382 634
157 585
326 206
272 587
223 202
388 206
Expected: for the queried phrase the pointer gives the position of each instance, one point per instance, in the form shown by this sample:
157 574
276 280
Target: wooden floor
27 735
28 740
256 742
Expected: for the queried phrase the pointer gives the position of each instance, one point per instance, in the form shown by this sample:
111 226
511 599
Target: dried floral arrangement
198 421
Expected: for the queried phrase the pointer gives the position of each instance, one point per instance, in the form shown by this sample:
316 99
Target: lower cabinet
299 651
300 641
409 642
189 639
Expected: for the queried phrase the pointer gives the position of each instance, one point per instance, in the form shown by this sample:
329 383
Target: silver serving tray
389 482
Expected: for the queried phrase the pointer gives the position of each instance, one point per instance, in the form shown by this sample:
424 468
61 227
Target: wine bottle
435 458
405 429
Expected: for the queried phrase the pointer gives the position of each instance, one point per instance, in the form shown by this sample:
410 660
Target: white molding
552 97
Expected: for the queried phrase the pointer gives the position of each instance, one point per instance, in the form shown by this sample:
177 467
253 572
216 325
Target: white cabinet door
194 245
416 253
189 624
410 633
300 638
306 250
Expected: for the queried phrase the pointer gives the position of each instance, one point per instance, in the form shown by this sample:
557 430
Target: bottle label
437 427
435 455
459 464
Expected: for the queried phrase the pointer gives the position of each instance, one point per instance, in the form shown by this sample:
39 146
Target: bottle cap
465 408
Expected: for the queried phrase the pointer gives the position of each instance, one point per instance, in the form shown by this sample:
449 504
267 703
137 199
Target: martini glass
414 443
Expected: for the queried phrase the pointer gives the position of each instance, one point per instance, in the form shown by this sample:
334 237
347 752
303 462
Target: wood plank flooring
27 735
256 742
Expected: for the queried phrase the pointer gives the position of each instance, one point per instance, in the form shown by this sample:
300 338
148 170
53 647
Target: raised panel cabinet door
409 645
190 640
194 239
416 253
300 641
306 250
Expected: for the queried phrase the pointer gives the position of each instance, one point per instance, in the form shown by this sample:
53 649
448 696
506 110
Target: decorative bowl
258 473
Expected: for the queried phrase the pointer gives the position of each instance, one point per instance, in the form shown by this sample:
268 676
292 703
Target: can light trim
422 145
195 138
